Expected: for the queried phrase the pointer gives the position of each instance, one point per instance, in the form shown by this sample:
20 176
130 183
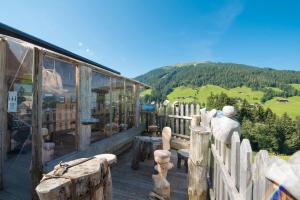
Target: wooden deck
136 184
16 177
127 183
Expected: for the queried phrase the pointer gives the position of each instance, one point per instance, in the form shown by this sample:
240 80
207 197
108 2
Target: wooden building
54 102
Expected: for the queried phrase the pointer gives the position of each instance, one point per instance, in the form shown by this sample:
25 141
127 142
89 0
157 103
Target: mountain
226 75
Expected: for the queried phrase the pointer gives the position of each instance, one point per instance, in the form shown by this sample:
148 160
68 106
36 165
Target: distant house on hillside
282 100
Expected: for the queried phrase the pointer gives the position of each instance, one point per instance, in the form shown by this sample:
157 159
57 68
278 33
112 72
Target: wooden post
125 103
77 115
85 106
37 166
110 105
3 107
198 163
195 121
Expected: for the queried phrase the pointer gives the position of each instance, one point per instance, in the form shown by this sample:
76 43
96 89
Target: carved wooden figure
166 138
161 188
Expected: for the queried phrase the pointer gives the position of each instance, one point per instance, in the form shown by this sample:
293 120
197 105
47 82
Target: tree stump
87 180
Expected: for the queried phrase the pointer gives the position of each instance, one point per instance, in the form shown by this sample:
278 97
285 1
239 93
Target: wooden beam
3 107
37 166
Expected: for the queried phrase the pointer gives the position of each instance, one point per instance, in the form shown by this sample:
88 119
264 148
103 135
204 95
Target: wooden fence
177 116
232 173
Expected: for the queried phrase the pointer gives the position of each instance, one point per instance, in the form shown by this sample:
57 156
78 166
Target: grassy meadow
187 95
200 94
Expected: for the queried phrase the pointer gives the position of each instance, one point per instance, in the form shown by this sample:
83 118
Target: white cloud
80 44
87 50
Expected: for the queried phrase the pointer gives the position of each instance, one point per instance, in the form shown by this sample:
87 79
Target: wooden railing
177 116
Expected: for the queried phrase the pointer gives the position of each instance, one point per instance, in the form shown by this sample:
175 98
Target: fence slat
173 119
235 158
177 120
182 120
222 171
260 183
187 122
245 170
197 109
228 158
192 109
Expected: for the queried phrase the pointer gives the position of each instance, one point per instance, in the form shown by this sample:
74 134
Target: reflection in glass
130 104
19 81
59 104
100 106
118 106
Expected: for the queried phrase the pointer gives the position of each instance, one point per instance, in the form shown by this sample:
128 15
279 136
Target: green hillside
292 107
194 82
200 94
226 75
296 86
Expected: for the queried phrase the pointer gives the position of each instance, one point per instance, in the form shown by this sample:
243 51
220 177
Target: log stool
183 154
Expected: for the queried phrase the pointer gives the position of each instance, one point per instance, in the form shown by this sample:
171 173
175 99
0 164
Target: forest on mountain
264 129
227 75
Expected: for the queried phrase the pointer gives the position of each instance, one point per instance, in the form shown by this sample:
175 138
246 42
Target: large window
59 104
130 104
19 85
118 106
100 106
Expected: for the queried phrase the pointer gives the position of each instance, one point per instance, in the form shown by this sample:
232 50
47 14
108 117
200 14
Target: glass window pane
59 104
130 104
19 63
100 108
118 106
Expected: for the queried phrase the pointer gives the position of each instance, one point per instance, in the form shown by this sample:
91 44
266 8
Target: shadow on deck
136 184
16 177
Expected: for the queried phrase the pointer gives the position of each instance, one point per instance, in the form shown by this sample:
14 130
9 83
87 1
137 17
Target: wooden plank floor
127 183
136 184
16 177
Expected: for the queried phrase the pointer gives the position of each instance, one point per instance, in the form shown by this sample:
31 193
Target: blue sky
135 36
